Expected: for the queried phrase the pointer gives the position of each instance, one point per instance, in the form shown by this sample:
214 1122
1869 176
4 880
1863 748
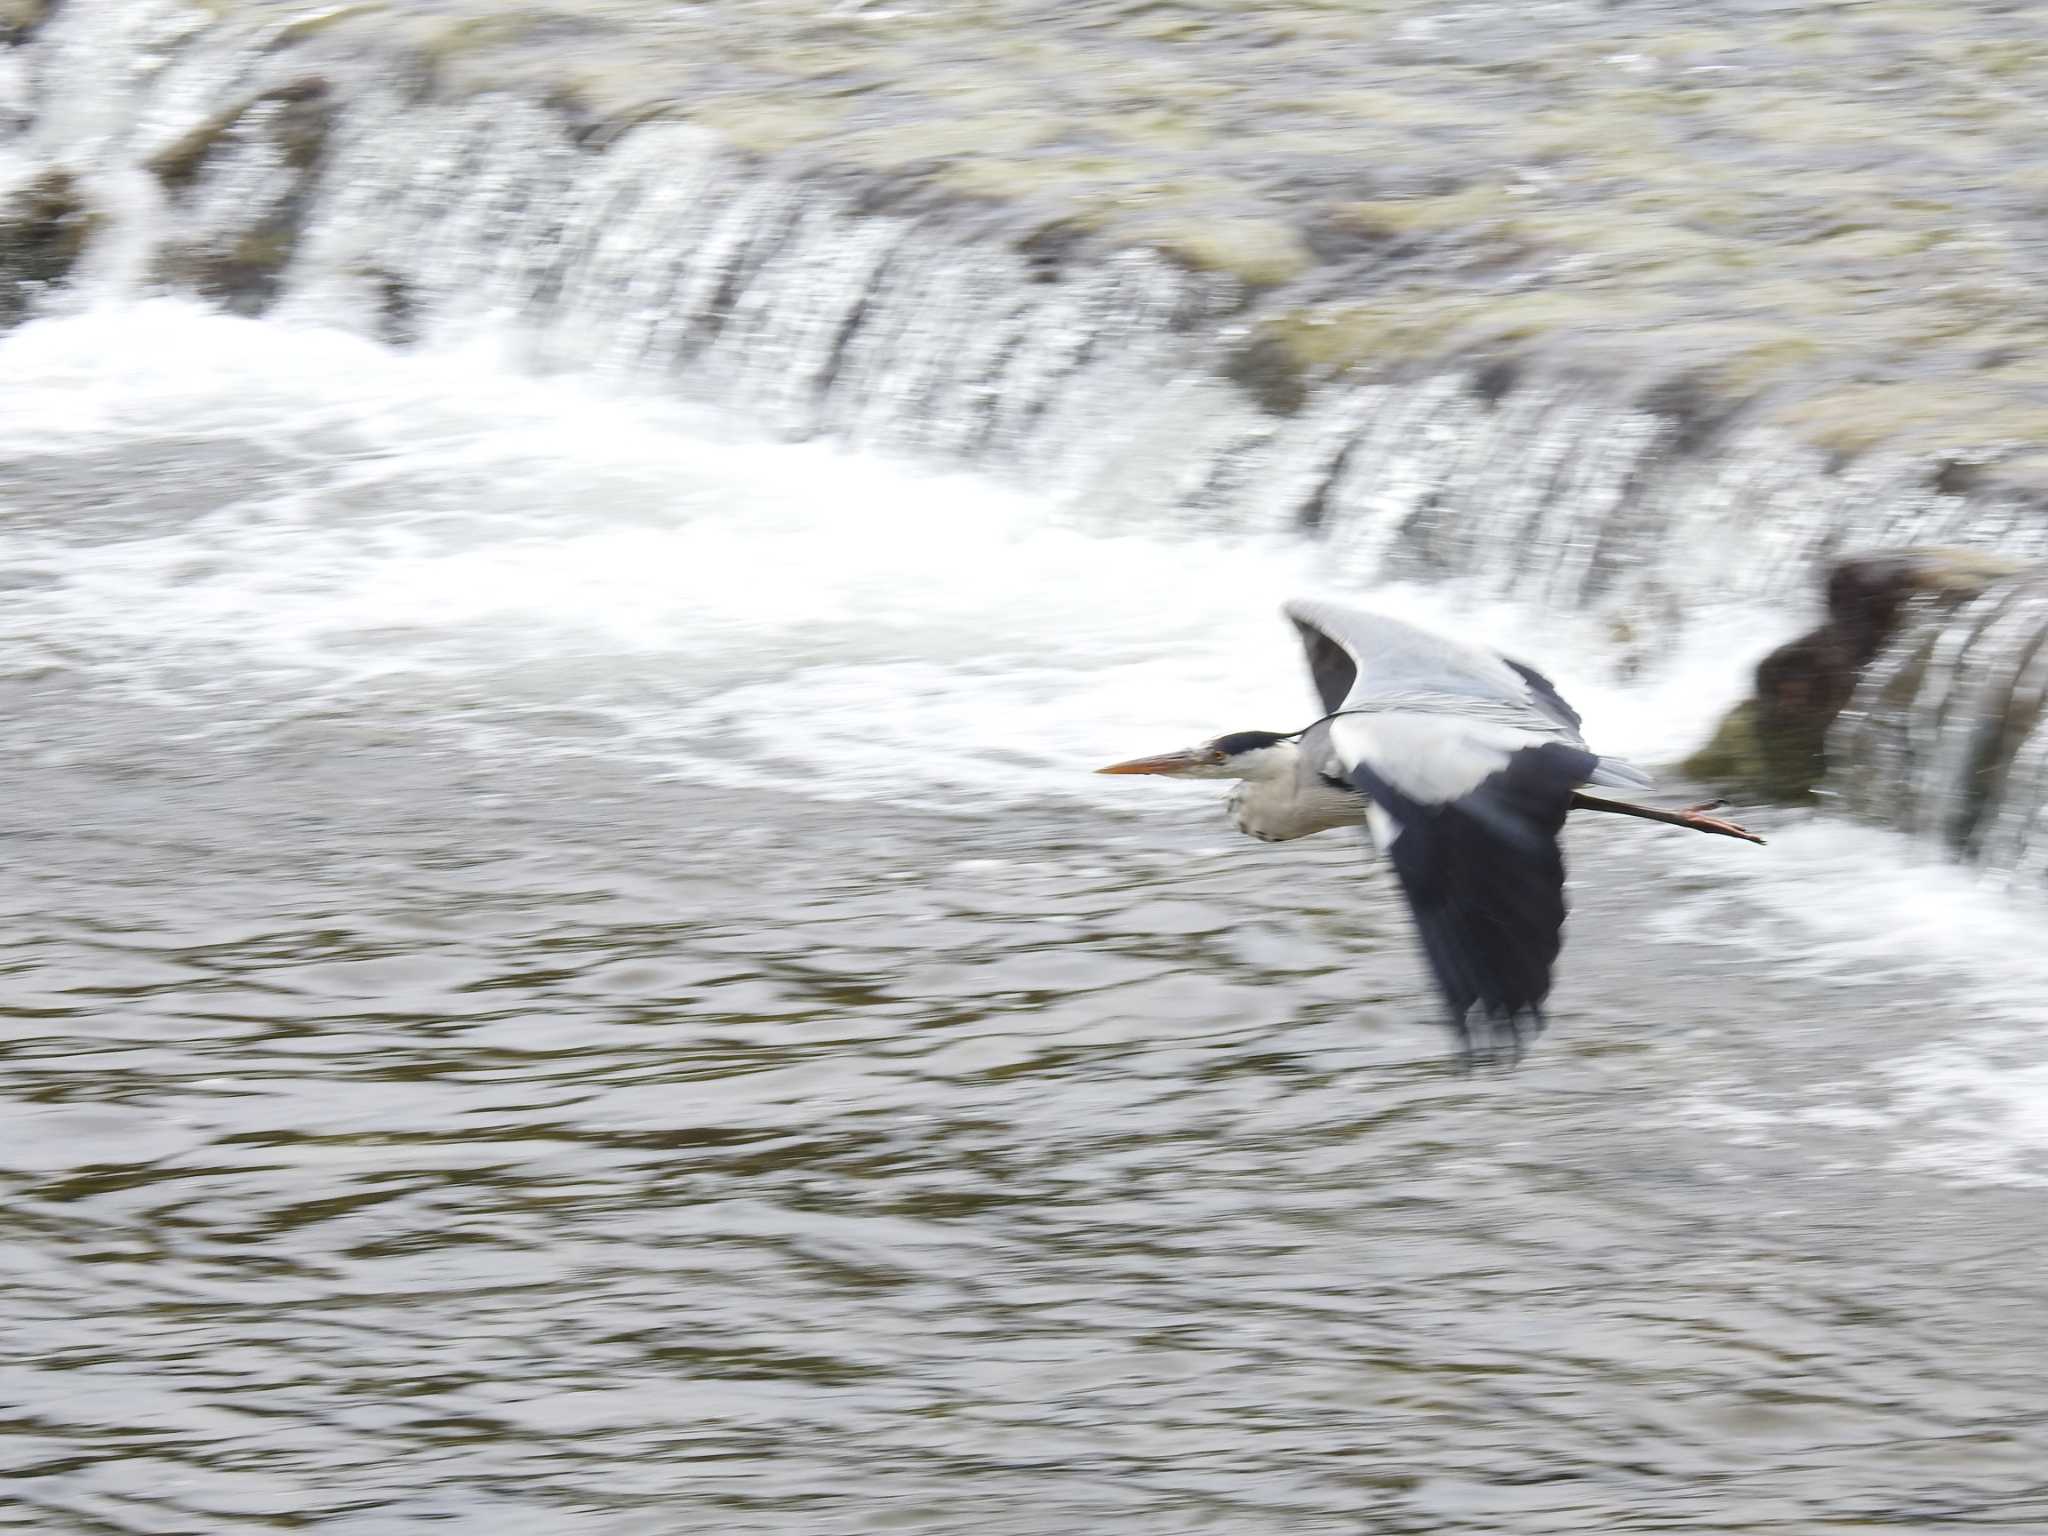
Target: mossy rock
1800 689
1260 253
20 18
1730 759
296 118
1272 375
244 268
179 163
44 229
1735 760
244 271
1762 754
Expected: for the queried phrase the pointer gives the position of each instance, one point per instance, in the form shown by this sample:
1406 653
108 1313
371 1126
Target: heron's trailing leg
1693 816
1491 1039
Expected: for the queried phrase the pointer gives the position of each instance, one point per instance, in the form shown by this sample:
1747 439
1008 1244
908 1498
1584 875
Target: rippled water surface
564 973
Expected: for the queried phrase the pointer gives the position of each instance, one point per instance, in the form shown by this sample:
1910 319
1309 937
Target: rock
394 302
294 118
244 271
20 18
1800 688
178 164
44 227
242 266
1729 759
1264 369
1866 593
1774 745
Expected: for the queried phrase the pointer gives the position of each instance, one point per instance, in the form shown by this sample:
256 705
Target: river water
565 973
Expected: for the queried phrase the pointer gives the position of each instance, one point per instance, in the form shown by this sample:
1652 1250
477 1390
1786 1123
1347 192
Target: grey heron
1462 766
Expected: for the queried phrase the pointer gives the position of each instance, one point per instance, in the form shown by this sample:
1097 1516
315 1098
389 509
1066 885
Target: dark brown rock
44 229
1264 369
1775 744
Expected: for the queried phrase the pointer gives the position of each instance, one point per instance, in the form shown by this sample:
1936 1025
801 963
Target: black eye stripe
1245 741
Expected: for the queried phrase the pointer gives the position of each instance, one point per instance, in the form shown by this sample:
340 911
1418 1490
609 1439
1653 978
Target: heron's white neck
1277 801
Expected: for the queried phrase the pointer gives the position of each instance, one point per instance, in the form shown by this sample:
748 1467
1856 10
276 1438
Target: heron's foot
1492 1041
1695 816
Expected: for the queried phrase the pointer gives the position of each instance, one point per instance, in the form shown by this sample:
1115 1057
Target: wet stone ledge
1829 217
1832 213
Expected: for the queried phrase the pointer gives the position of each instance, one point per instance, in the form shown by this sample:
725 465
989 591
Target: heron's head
1240 755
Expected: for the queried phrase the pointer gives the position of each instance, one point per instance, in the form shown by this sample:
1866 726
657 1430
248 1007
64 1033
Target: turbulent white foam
1880 921
1866 909
1977 1109
443 498
444 524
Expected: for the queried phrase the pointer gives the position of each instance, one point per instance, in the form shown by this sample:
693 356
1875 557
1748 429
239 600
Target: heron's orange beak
1166 763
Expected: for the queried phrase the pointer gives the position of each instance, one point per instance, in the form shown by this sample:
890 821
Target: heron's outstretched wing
1362 659
1367 661
1471 812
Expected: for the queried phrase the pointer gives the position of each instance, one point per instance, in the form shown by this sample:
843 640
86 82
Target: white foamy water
441 521
250 523
1888 927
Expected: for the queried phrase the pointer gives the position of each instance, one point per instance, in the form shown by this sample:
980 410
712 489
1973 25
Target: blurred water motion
565 970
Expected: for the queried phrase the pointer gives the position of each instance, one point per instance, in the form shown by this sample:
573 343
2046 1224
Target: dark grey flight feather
1485 879
1544 695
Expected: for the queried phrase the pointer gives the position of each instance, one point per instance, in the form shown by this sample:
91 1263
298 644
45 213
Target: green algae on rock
45 225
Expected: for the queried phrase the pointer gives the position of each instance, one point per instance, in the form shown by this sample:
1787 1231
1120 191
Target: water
566 972
560 982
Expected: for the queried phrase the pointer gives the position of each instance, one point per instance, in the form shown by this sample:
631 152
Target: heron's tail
1616 774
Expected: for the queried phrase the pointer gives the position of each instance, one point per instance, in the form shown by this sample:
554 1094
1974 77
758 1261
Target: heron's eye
1216 756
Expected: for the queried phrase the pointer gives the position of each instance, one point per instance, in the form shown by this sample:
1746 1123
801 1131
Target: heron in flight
1462 765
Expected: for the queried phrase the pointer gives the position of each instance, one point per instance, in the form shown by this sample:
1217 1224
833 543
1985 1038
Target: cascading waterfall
276 171
1945 736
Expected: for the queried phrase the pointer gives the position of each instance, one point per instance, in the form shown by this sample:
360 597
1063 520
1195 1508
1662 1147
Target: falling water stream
564 970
